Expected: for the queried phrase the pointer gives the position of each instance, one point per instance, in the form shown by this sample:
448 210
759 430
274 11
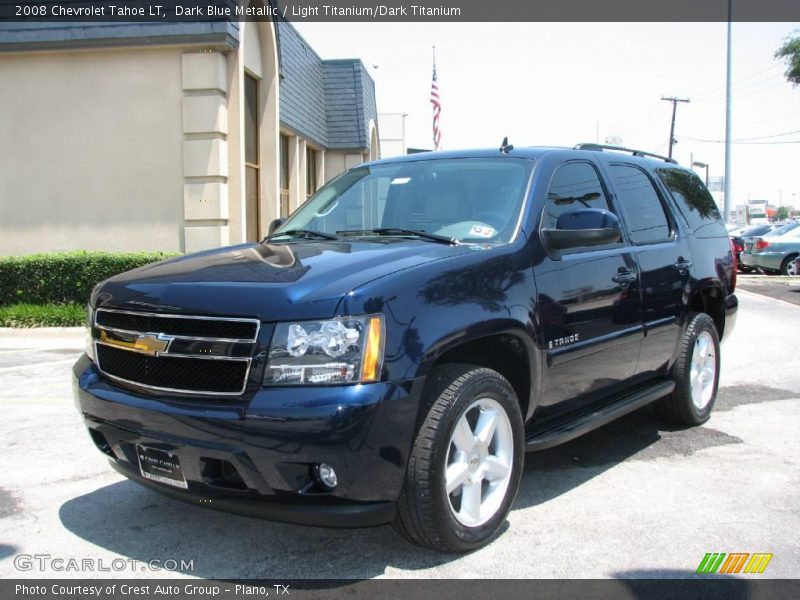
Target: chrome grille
175 353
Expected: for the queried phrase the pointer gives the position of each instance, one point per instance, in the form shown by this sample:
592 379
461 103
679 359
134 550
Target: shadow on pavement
7 550
131 521
654 584
641 434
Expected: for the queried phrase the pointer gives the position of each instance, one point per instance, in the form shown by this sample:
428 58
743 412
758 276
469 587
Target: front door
589 302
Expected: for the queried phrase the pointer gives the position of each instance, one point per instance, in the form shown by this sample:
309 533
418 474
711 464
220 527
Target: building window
284 176
251 158
311 172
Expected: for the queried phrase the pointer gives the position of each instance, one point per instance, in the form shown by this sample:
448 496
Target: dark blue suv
391 351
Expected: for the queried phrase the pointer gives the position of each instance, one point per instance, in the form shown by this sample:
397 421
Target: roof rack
601 147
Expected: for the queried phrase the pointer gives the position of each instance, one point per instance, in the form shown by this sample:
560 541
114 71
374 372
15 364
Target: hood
298 280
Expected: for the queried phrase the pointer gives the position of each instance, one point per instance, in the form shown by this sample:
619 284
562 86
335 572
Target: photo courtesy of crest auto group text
313 301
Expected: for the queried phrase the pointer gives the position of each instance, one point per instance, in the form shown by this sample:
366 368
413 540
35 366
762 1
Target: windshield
468 200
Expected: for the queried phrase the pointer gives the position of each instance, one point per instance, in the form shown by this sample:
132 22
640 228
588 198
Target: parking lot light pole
726 201
702 166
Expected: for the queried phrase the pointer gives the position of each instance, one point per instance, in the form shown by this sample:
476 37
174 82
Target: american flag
437 107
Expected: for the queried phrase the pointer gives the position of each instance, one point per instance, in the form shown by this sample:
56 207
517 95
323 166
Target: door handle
624 278
683 264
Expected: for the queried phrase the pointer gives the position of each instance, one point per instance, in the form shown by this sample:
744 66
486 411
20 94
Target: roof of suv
532 152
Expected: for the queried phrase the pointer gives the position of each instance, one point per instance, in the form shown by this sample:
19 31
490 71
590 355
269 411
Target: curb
6 332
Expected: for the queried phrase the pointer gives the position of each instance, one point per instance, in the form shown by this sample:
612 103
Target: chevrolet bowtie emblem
151 344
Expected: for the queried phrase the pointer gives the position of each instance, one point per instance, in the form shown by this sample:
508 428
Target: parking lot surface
636 498
781 287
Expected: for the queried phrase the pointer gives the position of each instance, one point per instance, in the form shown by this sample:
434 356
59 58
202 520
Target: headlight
345 350
89 338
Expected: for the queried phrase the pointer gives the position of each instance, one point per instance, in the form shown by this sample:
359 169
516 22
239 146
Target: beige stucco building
175 137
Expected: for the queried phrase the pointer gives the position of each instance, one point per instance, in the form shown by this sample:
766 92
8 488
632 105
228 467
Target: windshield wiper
431 237
305 233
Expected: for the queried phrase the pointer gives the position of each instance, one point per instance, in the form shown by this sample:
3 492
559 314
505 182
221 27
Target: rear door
664 260
588 301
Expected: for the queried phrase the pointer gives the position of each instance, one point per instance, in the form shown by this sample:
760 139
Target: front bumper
256 455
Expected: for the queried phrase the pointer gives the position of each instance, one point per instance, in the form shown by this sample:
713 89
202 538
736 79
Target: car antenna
505 147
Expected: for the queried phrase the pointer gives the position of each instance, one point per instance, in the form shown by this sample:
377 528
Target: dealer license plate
160 466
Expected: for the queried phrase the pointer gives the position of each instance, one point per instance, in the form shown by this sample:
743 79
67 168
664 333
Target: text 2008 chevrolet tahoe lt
391 351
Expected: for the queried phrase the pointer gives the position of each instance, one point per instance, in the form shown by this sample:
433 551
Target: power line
744 141
745 94
763 137
794 115
739 87
716 90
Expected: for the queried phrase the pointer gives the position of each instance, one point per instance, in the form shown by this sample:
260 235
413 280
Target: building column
297 172
205 150
320 168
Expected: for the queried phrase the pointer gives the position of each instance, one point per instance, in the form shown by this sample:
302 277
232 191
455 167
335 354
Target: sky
564 83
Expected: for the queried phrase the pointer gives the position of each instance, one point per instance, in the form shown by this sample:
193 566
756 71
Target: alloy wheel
479 462
703 370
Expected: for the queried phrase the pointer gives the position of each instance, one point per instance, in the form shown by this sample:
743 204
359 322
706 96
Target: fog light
327 476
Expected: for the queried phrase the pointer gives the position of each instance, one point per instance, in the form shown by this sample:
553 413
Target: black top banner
133 11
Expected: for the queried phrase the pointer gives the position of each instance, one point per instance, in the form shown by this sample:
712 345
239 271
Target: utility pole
674 101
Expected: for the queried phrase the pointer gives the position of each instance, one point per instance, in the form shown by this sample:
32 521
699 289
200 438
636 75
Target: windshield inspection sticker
481 231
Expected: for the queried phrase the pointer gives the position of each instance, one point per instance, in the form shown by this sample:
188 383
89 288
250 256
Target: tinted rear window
760 230
644 213
694 201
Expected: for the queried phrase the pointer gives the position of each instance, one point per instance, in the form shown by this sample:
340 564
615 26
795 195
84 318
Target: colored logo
151 344
735 562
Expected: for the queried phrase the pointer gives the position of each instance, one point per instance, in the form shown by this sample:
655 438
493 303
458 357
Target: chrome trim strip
526 200
171 316
175 390
179 337
651 325
173 355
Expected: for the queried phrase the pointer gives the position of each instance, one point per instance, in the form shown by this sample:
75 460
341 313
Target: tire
427 515
688 404
788 266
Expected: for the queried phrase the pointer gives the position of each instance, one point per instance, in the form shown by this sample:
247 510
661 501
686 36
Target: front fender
434 308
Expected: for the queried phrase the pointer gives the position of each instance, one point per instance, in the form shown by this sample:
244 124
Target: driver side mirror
274 225
583 227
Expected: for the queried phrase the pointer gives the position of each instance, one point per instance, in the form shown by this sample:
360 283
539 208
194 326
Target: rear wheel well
503 353
789 258
710 301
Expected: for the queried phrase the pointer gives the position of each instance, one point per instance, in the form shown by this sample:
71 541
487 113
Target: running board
566 430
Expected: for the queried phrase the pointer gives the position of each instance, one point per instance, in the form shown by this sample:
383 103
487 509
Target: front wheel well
504 353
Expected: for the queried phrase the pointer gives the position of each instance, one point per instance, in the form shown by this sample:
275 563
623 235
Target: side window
574 185
639 202
694 201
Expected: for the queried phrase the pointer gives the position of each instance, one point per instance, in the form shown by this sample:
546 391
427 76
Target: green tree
782 213
790 51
